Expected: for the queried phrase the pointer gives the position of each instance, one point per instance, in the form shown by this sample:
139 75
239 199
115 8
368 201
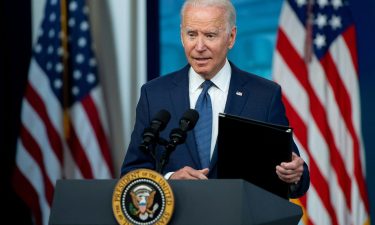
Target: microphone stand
169 148
177 136
160 164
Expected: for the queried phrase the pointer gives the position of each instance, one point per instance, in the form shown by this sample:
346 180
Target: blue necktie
203 128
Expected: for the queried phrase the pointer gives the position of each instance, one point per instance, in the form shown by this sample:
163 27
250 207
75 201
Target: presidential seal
142 197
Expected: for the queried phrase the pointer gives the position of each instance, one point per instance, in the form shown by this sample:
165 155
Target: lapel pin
238 93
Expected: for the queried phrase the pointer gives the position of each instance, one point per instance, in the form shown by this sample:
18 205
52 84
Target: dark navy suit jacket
260 100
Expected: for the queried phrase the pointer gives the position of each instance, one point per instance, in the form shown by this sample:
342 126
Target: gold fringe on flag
304 216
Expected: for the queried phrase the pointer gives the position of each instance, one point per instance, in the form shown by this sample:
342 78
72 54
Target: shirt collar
221 79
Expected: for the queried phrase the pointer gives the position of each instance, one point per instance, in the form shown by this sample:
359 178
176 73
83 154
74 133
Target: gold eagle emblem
143 201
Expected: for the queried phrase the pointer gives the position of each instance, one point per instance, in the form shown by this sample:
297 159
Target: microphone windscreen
192 116
163 116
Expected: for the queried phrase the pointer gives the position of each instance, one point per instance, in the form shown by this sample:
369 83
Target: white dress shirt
218 94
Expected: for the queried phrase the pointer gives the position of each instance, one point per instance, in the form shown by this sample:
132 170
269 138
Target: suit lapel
236 100
180 99
237 94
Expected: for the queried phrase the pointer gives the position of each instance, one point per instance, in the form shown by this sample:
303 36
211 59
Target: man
208 32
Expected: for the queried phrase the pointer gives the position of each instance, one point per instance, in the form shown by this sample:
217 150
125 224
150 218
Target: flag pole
309 27
64 42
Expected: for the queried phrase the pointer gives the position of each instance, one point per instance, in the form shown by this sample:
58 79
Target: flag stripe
338 199
31 171
351 116
349 37
360 180
84 131
359 213
318 180
342 97
90 109
45 151
321 96
335 121
40 85
317 214
295 63
40 108
301 134
323 191
286 50
36 153
79 154
342 55
300 129
299 69
341 136
28 194
97 98
38 131
293 116
295 30
336 160
291 86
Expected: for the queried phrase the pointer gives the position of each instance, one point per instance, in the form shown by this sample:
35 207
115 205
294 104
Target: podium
213 201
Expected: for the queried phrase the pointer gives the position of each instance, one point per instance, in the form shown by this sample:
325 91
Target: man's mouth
201 59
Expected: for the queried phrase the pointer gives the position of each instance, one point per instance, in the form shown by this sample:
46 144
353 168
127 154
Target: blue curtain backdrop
257 25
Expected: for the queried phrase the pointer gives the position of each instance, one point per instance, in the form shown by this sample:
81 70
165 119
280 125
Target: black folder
250 150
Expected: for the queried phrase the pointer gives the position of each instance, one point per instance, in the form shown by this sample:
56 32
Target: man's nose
200 45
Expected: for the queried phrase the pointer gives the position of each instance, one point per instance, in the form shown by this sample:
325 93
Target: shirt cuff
168 175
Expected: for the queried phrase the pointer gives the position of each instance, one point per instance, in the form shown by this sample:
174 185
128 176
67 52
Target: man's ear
182 40
232 37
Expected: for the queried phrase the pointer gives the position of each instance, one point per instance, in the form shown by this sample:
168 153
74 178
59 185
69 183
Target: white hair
230 12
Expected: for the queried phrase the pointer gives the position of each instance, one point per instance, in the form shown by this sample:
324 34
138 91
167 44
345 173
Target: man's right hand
188 173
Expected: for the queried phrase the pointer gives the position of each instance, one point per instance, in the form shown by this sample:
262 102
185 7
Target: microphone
178 136
151 134
187 122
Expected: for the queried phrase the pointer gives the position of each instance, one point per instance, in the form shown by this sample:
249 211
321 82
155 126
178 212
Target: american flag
316 64
63 130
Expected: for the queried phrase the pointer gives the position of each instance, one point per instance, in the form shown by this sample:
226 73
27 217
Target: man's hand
188 173
291 172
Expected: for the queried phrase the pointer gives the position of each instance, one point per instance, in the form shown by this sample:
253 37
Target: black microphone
151 134
187 122
178 136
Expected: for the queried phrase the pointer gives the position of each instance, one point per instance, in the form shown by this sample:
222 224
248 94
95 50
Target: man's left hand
291 172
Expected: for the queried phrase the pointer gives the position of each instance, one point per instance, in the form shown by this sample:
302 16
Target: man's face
205 39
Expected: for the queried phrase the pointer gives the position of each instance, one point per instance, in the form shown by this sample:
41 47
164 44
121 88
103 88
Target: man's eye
191 35
210 36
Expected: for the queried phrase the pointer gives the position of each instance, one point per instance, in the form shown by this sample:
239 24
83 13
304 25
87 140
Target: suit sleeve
276 114
135 158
